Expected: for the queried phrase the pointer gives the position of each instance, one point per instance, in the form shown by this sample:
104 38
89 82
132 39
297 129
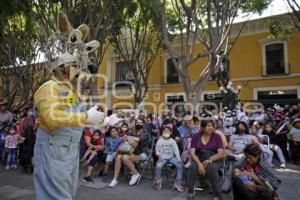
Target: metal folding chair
266 140
148 163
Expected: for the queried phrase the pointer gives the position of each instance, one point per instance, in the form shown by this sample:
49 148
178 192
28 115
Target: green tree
19 48
294 5
207 22
138 41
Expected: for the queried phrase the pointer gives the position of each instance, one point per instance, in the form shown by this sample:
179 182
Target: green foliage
255 5
279 27
18 37
137 38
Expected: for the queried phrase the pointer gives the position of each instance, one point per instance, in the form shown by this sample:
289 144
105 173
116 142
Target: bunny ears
75 35
69 45
78 35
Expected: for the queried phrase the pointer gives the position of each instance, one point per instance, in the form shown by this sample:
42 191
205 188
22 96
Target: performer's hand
94 116
112 120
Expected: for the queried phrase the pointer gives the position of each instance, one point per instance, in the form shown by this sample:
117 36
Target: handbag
125 148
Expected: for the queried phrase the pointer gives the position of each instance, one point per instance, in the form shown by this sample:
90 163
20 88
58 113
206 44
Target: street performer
62 115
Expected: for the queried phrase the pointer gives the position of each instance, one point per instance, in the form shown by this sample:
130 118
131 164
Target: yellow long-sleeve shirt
57 106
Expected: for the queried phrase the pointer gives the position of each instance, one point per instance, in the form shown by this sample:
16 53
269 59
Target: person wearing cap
295 132
168 153
175 133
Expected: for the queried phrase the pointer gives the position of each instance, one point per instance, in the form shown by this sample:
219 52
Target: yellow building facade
266 69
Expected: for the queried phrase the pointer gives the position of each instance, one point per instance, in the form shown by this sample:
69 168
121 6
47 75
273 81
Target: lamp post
229 97
239 88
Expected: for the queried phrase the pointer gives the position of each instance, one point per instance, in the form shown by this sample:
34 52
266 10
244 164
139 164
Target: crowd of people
195 144
191 144
17 137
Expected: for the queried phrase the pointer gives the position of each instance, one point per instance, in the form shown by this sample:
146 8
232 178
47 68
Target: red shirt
89 134
99 141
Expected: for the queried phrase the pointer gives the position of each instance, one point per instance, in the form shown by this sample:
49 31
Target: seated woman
239 140
253 177
141 142
207 153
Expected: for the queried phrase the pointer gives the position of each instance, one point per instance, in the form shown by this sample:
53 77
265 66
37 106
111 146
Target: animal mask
68 47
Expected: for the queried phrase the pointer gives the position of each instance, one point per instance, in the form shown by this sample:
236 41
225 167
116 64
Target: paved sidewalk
14 184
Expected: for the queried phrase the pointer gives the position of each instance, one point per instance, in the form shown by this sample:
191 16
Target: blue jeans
11 156
173 161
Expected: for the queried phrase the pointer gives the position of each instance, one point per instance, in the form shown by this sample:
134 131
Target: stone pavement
14 184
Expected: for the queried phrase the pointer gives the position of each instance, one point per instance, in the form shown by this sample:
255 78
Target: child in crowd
246 180
97 139
112 144
124 130
11 146
295 132
168 153
269 131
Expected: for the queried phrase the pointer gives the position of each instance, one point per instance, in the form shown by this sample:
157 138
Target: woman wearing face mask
141 142
239 140
167 152
207 153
